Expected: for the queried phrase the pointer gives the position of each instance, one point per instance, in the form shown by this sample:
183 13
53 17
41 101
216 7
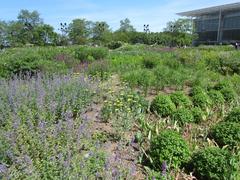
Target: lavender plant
42 132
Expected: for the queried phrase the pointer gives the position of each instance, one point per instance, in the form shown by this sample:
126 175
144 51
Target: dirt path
120 156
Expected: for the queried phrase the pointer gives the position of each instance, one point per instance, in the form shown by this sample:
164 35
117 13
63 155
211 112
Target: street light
146 28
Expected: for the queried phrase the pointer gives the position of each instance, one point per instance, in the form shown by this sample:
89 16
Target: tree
29 18
101 33
180 26
44 35
80 31
125 26
3 34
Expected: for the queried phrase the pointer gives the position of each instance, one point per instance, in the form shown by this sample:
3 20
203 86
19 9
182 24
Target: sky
156 13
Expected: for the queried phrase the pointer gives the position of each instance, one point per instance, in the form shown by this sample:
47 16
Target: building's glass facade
219 27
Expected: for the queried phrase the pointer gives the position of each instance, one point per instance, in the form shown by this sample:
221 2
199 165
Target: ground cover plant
132 112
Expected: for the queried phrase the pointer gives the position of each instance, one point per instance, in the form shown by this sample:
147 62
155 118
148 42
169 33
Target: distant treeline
30 29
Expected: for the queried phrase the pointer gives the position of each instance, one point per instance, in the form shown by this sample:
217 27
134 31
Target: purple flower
164 168
3 169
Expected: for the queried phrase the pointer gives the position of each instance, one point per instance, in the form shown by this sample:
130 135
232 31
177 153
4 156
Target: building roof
210 10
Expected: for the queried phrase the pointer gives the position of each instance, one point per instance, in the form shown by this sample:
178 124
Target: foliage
28 61
216 97
212 163
169 147
123 109
197 90
79 31
149 62
42 132
114 44
229 94
226 134
125 26
163 105
198 115
202 100
180 99
233 116
84 53
182 116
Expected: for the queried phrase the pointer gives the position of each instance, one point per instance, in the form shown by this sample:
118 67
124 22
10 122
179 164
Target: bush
114 44
198 115
149 62
180 99
99 53
197 90
229 94
182 116
216 97
212 163
163 105
222 85
226 133
170 147
202 100
90 53
234 116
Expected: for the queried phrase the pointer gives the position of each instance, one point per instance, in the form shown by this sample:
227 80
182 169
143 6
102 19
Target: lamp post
146 28
172 30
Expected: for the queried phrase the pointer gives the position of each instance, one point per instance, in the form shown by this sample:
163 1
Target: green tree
44 35
101 33
3 34
29 18
125 26
180 26
80 31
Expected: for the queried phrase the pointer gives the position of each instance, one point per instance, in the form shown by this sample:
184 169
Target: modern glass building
215 25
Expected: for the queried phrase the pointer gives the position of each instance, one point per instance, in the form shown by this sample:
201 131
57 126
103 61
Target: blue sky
156 13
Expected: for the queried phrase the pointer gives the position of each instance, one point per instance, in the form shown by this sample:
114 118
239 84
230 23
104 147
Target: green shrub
170 147
229 95
226 133
180 99
198 115
90 53
114 44
197 90
163 105
212 163
99 53
222 85
149 62
216 97
234 116
182 116
202 100
82 53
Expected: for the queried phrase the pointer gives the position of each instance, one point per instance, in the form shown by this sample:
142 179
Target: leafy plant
202 100
149 62
233 116
169 147
226 134
114 45
212 163
163 105
197 90
180 99
198 115
216 97
229 95
182 116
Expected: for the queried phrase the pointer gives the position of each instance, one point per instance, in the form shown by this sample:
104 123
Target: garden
120 111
